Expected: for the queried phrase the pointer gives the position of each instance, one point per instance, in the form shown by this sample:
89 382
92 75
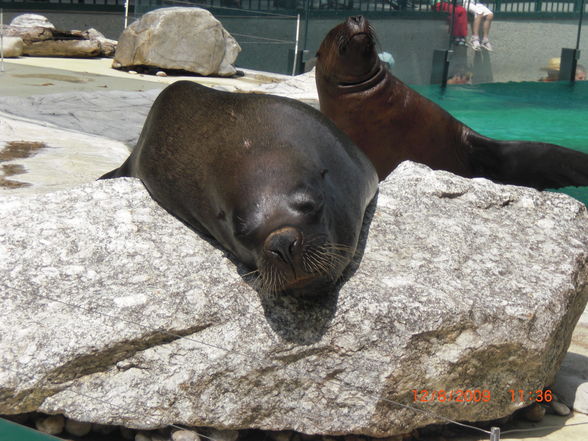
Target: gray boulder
189 39
115 313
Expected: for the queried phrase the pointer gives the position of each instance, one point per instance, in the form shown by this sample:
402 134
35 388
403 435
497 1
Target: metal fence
320 7
69 5
386 6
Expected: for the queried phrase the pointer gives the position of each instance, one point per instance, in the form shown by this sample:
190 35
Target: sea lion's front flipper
532 164
120 172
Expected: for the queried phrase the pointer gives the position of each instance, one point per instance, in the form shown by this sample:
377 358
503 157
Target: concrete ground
33 76
27 76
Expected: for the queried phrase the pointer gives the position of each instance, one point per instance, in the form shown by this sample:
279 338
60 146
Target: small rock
52 425
160 73
534 413
133 72
223 435
141 436
116 65
560 408
77 428
13 47
185 435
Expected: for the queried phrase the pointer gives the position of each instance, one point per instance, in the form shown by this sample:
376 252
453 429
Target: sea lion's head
290 225
347 56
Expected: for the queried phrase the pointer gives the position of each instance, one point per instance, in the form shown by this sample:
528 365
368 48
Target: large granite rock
114 312
189 39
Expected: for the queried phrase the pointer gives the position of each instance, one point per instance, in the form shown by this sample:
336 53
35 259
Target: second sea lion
391 122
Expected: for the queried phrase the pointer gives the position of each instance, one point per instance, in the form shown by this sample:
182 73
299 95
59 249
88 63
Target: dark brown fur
271 179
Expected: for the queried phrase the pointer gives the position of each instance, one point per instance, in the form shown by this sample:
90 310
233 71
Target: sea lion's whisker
255 271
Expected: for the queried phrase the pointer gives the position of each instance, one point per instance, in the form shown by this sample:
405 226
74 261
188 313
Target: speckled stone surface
462 285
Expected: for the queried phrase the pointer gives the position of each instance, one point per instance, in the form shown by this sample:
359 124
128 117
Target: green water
10 431
549 112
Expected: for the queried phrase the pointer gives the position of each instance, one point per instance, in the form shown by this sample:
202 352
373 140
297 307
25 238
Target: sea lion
270 178
391 122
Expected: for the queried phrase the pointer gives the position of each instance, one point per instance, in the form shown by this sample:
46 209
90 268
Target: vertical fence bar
577 51
580 27
295 63
126 13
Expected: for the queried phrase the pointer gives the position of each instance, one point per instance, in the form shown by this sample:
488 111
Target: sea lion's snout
356 20
284 246
291 260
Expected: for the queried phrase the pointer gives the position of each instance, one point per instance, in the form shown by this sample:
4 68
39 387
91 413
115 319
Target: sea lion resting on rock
271 179
391 122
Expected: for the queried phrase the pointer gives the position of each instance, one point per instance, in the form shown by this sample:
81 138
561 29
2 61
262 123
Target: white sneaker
475 44
486 45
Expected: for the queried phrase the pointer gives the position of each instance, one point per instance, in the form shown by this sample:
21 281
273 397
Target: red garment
460 27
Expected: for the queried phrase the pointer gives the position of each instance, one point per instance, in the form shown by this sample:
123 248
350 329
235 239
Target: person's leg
486 31
475 40
486 26
476 25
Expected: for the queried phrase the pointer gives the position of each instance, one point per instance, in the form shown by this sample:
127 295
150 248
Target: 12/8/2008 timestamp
479 395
